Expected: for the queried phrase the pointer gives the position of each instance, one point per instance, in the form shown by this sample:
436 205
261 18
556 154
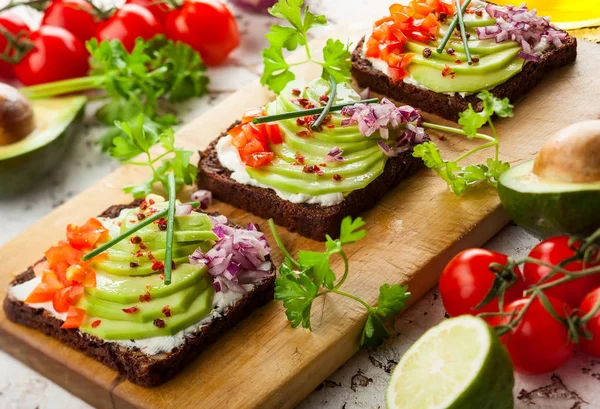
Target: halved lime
460 363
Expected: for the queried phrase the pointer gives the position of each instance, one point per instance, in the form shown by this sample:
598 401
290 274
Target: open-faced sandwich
119 308
308 180
428 55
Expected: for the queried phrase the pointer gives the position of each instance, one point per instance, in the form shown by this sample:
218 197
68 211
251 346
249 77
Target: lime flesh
460 363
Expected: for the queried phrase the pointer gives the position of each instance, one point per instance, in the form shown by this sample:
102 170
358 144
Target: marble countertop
359 383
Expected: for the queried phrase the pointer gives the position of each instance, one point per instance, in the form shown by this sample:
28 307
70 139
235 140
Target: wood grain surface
263 362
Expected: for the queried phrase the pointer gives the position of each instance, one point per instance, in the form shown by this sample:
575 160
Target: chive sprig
459 11
170 229
311 111
328 106
463 32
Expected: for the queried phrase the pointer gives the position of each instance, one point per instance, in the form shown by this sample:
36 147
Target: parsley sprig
135 82
310 276
278 71
459 177
137 138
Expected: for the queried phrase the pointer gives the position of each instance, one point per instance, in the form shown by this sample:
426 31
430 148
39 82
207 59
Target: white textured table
361 382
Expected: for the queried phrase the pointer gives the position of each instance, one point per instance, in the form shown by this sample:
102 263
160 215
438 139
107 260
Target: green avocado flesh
24 163
130 293
363 159
549 208
498 62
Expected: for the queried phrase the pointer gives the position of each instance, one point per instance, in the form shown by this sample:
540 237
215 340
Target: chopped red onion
525 27
204 197
365 93
385 148
238 257
334 155
183 210
217 286
384 116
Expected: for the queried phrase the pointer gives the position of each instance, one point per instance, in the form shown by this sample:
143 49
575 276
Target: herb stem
170 229
328 106
305 112
346 270
458 131
479 148
463 32
281 245
491 124
355 298
452 26
55 88
136 227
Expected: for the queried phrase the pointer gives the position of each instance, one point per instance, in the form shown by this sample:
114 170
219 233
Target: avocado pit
16 115
572 155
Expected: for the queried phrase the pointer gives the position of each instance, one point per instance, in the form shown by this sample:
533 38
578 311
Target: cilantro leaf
337 60
297 292
349 230
449 171
374 332
291 10
276 73
493 105
318 267
280 37
392 299
495 169
471 121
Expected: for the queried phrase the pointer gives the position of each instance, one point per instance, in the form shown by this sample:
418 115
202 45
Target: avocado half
24 163
546 208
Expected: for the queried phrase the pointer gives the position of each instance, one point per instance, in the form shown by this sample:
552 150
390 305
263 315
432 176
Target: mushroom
16 115
572 155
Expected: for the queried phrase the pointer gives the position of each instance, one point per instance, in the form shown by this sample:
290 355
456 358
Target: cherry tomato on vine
76 16
158 9
591 346
129 23
207 26
467 279
13 25
539 343
553 251
56 55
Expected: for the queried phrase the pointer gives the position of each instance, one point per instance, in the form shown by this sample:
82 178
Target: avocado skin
18 174
551 214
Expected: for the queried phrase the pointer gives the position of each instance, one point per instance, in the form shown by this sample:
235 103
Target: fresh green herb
458 177
311 111
134 82
277 72
463 31
301 281
328 106
133 229
137 138
452 27
170 229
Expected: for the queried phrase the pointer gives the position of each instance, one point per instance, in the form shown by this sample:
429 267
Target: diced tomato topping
258 159
75 273
62 256
274 133
251 147
250 114
96 323
86 236
75 317
253 132
45 290
67 297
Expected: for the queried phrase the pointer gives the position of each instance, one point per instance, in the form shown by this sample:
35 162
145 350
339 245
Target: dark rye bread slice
448 106
310 220
136 366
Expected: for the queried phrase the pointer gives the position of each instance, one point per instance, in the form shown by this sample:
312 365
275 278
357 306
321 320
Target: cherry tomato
45 290
539 343
553 251
86 236
467 279
13 24
56 55
591 346
129 23
207 26
75 317
258 159
158 9
75 16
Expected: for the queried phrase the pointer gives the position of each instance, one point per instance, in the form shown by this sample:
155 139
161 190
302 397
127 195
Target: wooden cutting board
263 362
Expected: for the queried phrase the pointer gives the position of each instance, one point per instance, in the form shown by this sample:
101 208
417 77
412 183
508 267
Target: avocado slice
127 290
546 208
177 302
118 330
26 162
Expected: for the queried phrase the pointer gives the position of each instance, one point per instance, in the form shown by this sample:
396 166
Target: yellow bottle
567 14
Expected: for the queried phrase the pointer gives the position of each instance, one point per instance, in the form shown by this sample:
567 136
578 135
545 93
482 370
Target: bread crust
132 363
447 106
